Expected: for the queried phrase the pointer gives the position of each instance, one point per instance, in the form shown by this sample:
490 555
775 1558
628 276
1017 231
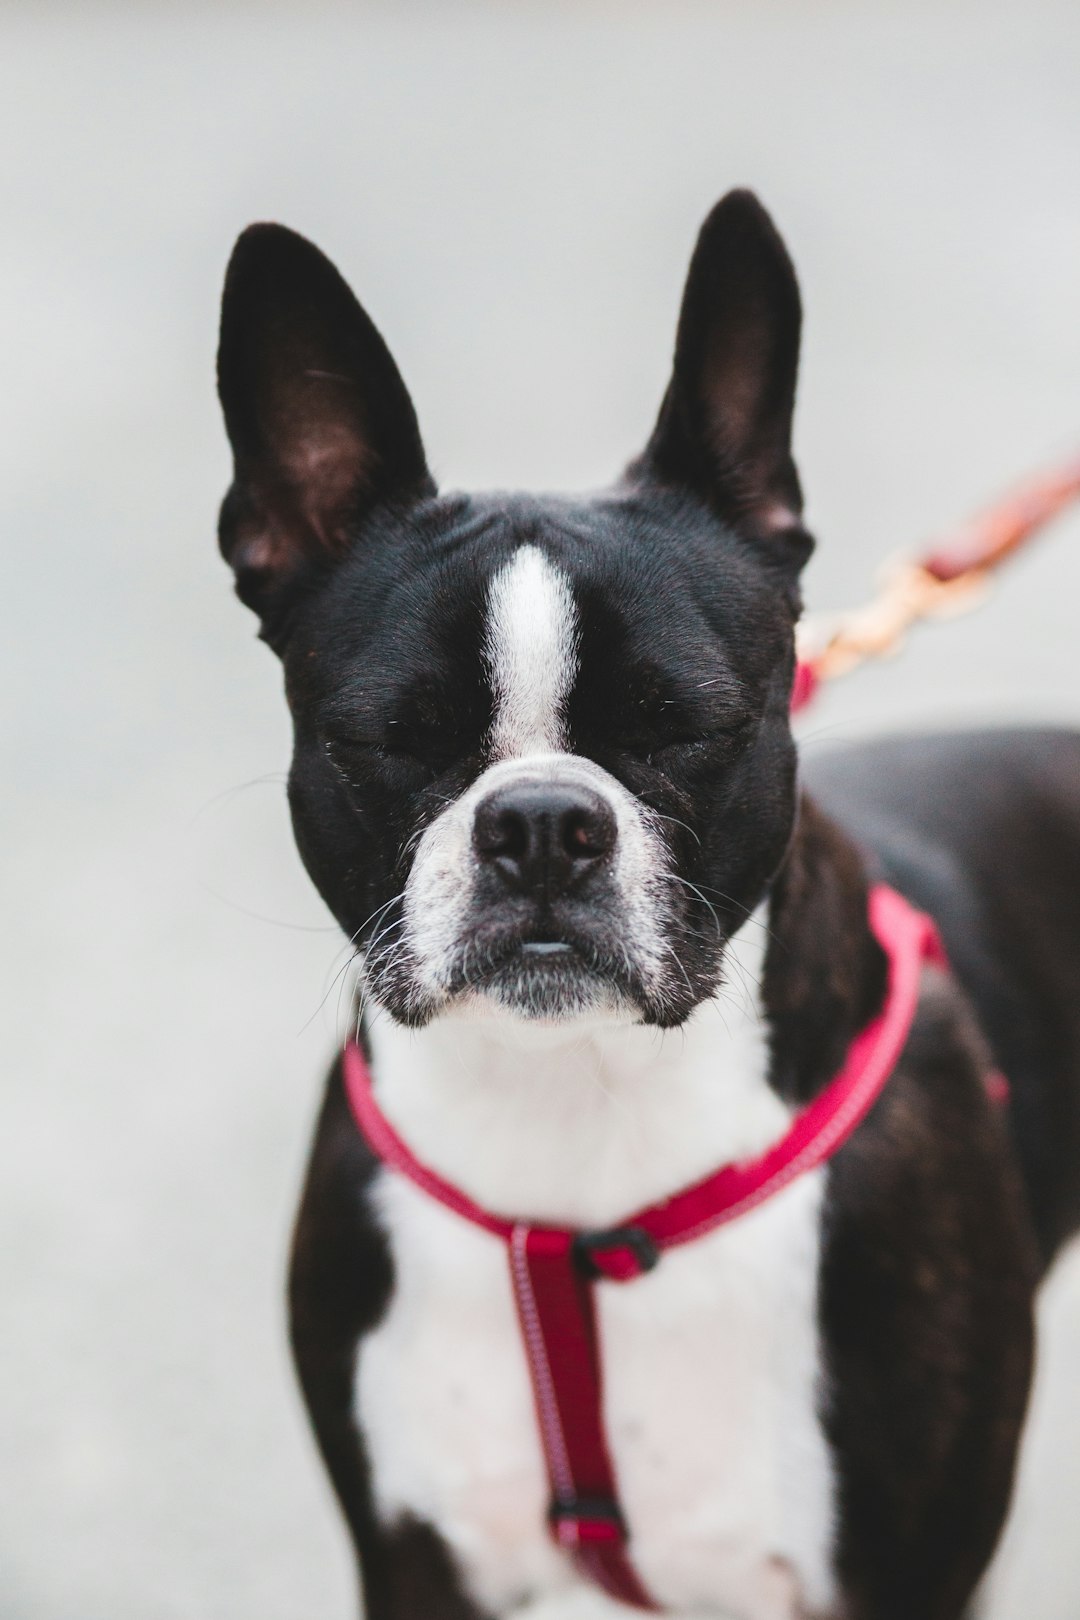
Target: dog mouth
546 978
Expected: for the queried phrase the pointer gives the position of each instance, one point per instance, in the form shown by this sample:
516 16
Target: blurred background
513 191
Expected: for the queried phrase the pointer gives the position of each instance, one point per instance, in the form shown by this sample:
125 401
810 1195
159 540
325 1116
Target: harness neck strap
554 1270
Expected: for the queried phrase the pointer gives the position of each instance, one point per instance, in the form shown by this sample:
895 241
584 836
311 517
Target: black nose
544 838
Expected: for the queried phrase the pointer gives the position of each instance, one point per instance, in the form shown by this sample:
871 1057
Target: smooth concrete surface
514 191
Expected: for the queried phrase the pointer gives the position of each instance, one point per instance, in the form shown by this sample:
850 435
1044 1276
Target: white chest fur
711 1365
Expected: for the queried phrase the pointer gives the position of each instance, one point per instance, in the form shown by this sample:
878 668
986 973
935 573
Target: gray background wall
514 192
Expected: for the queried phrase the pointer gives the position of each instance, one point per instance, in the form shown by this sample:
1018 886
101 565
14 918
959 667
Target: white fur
531 651
711 1363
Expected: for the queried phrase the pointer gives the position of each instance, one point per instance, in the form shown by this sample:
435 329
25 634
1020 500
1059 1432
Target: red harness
554 1270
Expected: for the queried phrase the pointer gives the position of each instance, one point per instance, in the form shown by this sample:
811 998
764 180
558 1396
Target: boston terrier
611 938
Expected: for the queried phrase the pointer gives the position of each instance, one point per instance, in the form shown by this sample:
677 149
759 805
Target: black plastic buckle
634 1238
588 1510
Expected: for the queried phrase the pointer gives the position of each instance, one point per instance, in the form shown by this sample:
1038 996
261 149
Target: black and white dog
545 781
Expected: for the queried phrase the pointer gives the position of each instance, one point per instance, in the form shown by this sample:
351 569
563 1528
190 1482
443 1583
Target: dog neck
584 1123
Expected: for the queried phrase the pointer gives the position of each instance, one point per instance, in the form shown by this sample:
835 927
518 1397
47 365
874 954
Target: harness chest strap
554 1270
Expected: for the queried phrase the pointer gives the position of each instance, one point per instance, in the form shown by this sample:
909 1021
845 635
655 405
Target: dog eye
408 754
711 748
356 758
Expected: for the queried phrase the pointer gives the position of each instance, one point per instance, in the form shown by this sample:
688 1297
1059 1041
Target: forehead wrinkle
530 645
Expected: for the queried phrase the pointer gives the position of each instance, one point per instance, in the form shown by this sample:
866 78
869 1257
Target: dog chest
711 1379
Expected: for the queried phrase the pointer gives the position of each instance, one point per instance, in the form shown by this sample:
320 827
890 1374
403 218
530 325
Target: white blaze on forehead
531 650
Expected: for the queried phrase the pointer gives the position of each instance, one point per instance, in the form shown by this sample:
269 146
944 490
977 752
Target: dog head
542 758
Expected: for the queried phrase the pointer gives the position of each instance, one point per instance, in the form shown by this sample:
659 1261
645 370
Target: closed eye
408 758
712 747
355 758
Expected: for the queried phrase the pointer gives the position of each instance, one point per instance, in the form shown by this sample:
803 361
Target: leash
554 1271
950 579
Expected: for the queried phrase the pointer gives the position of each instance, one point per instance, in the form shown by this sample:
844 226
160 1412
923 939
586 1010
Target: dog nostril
506 834
586 834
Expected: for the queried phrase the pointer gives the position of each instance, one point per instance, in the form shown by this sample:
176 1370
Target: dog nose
542 837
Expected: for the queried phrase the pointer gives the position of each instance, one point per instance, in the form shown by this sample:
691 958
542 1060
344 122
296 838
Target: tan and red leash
950 578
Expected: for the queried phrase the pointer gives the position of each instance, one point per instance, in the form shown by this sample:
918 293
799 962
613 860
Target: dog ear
321 425
724 427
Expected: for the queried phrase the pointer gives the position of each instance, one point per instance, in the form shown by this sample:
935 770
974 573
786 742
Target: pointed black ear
724 427
321 425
